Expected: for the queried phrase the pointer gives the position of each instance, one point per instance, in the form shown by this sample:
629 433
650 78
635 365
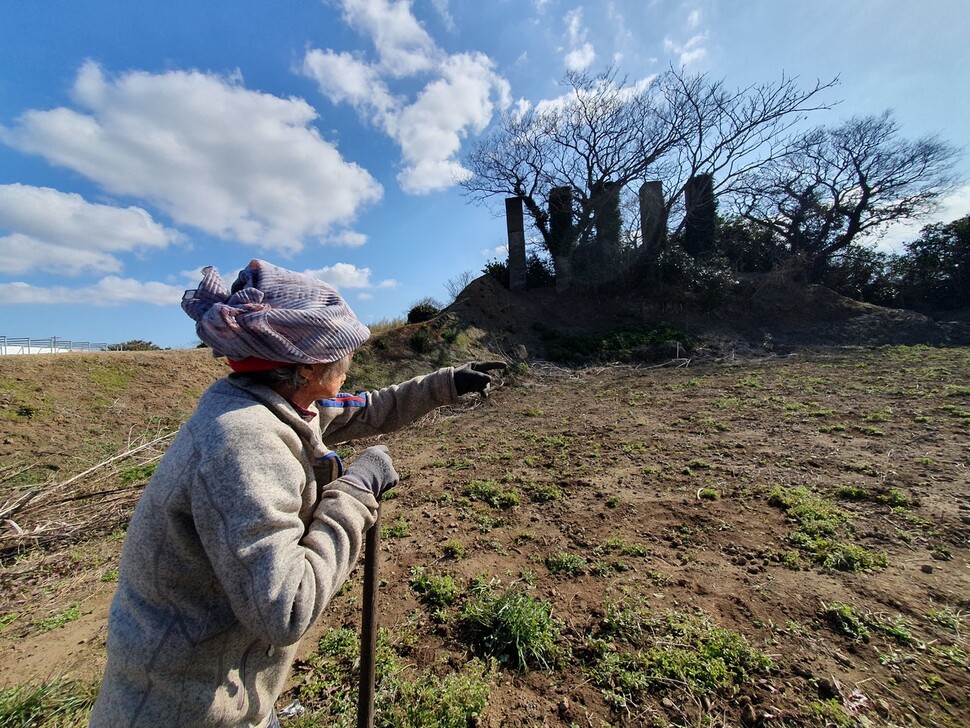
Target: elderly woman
250 523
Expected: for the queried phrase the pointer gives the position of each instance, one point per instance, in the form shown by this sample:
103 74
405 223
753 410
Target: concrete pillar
653 219
516 228
701 223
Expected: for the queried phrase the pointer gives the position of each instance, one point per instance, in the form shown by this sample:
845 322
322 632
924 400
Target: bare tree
604 134
457 283
837 186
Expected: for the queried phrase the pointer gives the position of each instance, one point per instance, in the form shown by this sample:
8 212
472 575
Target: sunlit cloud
235 163
429 125
62 233
109 291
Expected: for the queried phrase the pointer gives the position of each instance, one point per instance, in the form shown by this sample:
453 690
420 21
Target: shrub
424 310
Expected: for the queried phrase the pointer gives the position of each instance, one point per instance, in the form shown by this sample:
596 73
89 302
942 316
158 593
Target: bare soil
679 459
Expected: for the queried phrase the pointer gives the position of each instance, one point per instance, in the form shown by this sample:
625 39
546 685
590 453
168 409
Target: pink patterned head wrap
274 314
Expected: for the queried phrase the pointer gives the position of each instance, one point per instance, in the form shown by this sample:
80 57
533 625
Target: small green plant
405 697
71 614
398 528
137 473
453 549
945 617
613 501
846 620
566 564
25 410
111 575
708 494
638 653
831 713
56 702
542 492
8 619
437 591
490 492
515 628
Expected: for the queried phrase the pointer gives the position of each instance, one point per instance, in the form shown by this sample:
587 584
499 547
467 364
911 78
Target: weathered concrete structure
701 222
516 230
653 219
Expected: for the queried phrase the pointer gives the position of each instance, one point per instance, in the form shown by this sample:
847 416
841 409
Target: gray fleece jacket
239 541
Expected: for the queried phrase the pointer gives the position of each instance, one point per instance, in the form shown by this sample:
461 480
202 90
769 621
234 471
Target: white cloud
58 232
235 163
109 291
499 251
581 53
441 7
348 238
343 275
461 97
365 297
687 53
404 47
431 129
343 78
693 19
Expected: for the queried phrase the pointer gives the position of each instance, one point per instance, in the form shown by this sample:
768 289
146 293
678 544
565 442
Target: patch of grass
137 473
846 620
869 430
851 493
838 427
109 576
65 616
613 501
514 628
56 702
7 619
567 564
542 492
708 494
490 492
637 653
453 549
436 591
398 528
945 617
816 522
831 713
404 697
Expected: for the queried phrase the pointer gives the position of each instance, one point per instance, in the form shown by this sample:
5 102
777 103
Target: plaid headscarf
273 314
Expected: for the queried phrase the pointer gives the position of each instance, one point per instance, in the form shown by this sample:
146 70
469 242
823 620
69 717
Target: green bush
424 310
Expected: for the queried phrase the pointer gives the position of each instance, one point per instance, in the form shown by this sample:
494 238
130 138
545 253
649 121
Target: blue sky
140 142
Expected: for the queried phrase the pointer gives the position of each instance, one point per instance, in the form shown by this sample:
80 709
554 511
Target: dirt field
816 504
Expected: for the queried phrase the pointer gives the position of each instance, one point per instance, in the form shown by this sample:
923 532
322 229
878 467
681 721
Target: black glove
372 471
474 377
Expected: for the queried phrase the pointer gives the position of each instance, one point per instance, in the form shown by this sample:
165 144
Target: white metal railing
52 345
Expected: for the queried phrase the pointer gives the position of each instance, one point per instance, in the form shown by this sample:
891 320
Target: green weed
56 702
566 564
398 528
453 549
637 653
137 473
71 614
404 697
490 492
515 628
436 591
542 492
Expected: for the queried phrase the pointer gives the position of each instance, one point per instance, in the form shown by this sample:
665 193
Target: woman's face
324 381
